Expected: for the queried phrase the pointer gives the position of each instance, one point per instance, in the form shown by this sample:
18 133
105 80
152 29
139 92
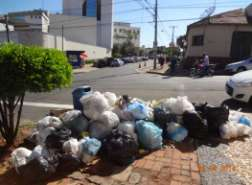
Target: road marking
48 105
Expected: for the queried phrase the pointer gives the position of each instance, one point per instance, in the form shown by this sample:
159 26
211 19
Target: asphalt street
127 80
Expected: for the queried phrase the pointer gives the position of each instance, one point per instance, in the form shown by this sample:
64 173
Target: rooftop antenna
209 11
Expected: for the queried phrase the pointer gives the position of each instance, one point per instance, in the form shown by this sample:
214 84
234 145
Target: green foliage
32 69
89 61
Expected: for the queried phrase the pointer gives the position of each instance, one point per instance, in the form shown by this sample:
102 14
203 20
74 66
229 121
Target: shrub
23 69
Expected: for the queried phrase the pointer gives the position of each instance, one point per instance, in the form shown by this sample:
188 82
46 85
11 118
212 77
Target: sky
170 13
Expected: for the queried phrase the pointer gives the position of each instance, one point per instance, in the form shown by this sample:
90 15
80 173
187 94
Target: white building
85 25
124 32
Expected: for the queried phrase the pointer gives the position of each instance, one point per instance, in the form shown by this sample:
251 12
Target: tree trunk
9 123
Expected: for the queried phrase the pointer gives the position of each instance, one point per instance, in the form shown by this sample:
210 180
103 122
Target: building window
92 8
115 30
198 40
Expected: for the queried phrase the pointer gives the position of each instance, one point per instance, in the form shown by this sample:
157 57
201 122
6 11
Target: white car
240 66
239 86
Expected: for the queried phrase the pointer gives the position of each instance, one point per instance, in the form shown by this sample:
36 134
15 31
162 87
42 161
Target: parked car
128 60
239 86
101 63
117 63
240 66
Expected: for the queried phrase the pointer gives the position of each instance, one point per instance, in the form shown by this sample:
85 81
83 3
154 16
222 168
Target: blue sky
123 11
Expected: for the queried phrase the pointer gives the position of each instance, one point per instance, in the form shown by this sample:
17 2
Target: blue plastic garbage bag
176 132
138 110
149 135
89 147
245 120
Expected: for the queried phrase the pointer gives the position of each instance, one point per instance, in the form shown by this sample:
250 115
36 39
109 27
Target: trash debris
49 121
149 135
20 157
71 147
176 132
122 114
176 105
129 128
216 116
76 122
99 130
139 110
88 149
196 126
43 134
57 139
39 169
94 105
111 97
120 147
244 120
235 116
234 130
109 119
68 163
161 118
39 151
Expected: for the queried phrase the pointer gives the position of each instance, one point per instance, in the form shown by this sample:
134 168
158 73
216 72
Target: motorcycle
201 71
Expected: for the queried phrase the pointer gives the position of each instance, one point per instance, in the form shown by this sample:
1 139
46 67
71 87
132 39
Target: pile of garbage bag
116 127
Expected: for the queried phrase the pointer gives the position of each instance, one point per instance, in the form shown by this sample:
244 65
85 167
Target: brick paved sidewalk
168 166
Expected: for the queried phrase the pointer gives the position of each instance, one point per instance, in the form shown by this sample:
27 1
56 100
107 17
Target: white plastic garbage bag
42 135
177 105
75 121
20 157
94 105
233 130
111 97
88 149
71 147
109 118
49 121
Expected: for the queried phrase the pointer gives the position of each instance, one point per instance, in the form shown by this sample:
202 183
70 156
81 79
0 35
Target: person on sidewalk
173 64
205 63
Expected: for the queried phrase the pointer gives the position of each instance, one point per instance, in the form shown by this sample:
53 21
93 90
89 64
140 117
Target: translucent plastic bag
176 132
124 115
111 97
128 128
234 130
20 157
88 149
71 147
49 121
43 134
109 119
94 105
140 111
149 135
177 105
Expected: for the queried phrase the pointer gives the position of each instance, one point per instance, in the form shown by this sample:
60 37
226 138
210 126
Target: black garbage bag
39 169
215 116
197 127
68 163
120 148
57 138
161 118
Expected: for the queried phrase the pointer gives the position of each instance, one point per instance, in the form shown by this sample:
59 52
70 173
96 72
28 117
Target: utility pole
155 44
7 28
62 37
